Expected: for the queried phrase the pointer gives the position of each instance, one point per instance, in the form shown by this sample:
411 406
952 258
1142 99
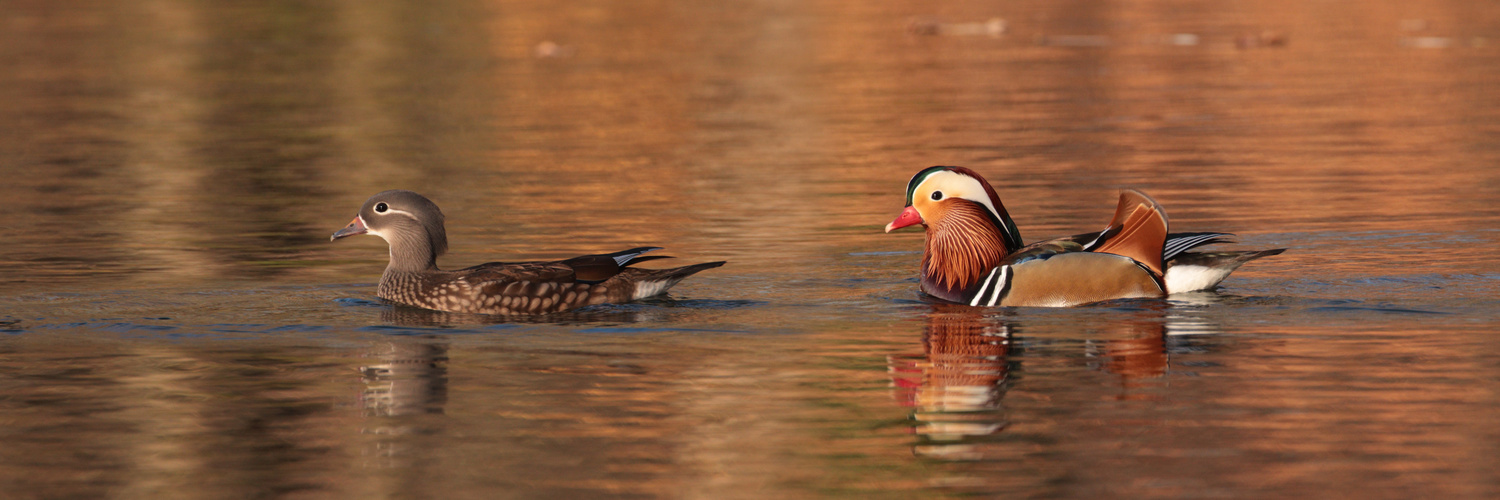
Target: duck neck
411 254
962 246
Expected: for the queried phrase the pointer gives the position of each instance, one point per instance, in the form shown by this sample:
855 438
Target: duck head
968 230
409 223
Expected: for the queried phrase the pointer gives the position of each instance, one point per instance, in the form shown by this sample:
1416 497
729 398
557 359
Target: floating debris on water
1265 38
1178 39
1427 42
1441 42
994 27
548 49
1182 39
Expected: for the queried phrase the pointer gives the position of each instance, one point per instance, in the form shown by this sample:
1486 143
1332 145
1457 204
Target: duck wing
582 269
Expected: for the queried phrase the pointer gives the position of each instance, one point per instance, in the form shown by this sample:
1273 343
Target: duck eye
937 195
380 208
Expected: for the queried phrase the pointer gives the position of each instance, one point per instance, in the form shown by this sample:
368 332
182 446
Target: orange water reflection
171 307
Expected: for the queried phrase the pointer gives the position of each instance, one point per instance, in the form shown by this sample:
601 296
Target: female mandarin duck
413 227
975 256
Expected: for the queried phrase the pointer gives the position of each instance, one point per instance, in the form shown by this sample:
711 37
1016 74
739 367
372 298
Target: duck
413 227
974 254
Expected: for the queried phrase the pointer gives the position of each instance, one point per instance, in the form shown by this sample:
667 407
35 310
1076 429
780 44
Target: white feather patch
650 289
1182 279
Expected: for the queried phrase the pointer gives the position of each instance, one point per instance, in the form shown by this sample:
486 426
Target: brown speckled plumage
413 226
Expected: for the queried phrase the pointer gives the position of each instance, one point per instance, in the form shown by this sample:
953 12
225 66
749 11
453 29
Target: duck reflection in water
972 357
406 381
955 386
406 316
1136 351
409 378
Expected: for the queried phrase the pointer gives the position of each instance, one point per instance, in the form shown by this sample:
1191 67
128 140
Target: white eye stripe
390 210
956 185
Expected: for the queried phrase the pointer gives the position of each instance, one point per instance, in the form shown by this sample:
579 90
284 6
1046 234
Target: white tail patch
651 288
1184 278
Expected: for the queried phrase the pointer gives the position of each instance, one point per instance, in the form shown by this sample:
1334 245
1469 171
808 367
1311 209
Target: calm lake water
175 324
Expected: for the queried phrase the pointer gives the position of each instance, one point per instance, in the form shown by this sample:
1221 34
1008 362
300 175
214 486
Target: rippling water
176 324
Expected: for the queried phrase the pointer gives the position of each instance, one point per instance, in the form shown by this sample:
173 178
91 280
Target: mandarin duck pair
974 255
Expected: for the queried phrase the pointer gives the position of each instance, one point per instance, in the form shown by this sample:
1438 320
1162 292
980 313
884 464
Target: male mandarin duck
975 255
412 226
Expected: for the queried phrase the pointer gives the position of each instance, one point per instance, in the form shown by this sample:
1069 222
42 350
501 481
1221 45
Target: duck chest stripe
983 285
1002 285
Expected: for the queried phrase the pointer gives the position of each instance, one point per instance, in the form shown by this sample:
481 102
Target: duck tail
1193 271
653 282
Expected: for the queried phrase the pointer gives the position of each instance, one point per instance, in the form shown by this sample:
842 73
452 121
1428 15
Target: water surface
176 324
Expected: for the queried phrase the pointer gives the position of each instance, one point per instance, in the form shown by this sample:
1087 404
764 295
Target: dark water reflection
174 322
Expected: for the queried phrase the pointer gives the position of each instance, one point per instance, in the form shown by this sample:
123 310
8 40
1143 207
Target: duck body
413 227
974 253
533 287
